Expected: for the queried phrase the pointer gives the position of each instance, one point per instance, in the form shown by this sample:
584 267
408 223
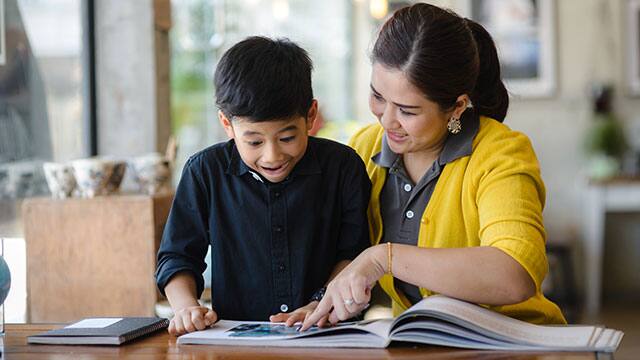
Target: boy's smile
276 171
271 148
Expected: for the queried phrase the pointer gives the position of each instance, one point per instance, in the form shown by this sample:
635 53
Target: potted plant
606 142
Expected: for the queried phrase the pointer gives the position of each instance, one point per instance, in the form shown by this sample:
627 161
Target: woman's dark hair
264 79
445 56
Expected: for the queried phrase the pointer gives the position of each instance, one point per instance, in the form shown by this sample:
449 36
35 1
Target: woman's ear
462 103
226 124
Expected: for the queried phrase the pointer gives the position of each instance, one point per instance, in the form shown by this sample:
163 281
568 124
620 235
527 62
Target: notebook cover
128 328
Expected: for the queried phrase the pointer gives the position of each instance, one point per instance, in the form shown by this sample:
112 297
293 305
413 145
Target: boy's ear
226 124
312 114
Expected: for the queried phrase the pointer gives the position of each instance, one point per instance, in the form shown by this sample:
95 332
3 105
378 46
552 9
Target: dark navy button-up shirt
273 244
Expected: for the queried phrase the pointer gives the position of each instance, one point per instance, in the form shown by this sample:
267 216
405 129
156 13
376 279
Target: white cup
152 173
92 175
118 169
60 179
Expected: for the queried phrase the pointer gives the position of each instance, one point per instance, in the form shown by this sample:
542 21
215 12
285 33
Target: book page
500 326
250 333
380 327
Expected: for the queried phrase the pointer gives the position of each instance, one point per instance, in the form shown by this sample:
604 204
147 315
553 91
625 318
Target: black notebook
101 331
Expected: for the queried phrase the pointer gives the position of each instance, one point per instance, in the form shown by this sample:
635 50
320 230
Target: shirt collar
308 165
386 157
455 146
460 144
236 166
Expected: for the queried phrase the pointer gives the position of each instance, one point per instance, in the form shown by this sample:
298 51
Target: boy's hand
190 319
299 315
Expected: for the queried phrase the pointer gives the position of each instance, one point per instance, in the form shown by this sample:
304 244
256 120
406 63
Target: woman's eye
404 112
287 139
377 96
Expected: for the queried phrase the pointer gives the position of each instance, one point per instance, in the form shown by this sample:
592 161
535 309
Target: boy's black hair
264 79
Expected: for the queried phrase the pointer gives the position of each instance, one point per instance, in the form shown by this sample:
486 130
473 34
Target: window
41 107
41 113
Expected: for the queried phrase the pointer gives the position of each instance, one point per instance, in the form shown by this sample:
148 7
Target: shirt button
278 229
276 194
281 267
284 308
409 214
407 187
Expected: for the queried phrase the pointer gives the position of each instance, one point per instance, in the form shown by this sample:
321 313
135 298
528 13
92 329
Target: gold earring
454 126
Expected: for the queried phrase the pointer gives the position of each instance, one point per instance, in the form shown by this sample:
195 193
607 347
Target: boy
282 211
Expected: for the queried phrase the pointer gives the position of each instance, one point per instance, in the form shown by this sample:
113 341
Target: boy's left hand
299 315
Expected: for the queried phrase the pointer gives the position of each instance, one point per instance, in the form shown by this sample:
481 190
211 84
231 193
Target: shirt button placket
280 250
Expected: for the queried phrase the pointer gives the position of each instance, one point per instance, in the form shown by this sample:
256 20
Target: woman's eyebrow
374 89
395 103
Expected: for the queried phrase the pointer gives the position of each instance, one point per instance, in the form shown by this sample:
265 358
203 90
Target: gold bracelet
389 258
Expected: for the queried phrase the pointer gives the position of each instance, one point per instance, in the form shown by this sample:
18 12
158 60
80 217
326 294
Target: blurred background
81 78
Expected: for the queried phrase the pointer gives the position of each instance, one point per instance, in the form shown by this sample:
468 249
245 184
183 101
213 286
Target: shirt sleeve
510 200
184 239
354 229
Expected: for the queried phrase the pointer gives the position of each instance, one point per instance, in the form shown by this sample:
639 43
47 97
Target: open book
436 320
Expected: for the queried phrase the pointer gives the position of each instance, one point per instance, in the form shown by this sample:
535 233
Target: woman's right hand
349 292
190 319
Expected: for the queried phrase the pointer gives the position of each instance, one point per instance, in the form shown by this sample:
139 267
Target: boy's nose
272 154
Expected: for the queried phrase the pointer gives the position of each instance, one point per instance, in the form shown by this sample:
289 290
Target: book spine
145 330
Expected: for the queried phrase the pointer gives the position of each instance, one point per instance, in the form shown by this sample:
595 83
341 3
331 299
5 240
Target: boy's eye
288 138
254 143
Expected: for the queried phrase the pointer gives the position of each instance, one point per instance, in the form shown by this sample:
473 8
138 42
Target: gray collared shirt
402 202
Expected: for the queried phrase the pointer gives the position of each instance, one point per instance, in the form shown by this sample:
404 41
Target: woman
457 198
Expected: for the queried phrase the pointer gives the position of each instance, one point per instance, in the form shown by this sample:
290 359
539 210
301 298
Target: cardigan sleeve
510 198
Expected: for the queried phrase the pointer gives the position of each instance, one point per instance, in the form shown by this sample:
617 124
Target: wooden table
163 346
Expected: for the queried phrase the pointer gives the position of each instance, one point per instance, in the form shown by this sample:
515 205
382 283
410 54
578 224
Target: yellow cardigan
493 197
